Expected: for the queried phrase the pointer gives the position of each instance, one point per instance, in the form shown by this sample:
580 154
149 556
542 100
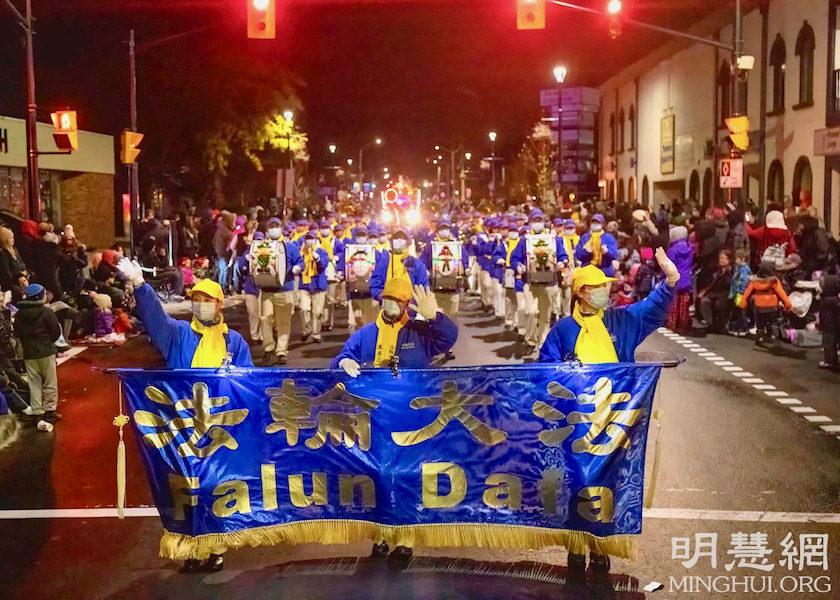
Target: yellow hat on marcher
589 275
209 287
399 289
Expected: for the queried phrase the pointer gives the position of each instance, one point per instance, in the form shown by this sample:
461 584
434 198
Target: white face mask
325 232
310 243
383 239
393 309
274 233
204 311
596 227
570 232
445 234
538 226
361 240
514 235
599 297
399 245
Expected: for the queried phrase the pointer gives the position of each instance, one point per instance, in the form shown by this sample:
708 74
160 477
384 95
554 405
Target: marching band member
448 297
497 269
395 339
505 257
484 250
334 248
597 247
313 287
277 302
397 263
570 240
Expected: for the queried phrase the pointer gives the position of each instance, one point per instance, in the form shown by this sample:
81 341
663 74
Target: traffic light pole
33 174
133 177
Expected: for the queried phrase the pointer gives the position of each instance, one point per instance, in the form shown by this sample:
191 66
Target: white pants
512 311
276 310
564 292
330 303
362 312
486 284
449 304
252 305
312 312
538 312
498 298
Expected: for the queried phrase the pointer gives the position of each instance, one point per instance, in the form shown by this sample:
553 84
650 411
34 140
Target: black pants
715 311
767 323
830 326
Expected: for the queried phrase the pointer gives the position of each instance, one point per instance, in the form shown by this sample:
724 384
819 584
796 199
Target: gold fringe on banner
178 546
121 420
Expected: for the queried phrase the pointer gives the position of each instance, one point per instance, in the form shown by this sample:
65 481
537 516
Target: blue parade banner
506 457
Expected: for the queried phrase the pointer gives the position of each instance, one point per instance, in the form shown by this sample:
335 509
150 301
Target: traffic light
262 19
66 135
739 132
129 150
530 14
614 10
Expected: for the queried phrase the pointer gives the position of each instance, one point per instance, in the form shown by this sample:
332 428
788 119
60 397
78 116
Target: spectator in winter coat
774 233
737 286
830 321
70 271
13 274
681 254
737 238
715 305
769 293
707 247
814 247
221 248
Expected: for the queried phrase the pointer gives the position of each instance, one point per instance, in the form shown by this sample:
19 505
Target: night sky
416 73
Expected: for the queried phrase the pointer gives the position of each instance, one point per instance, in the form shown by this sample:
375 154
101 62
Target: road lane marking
753 380
818 419
788 401
732 370
776 394
688 514
74 351
764 386
830 428
707 353
723 363
698 349
713 358
745 374
802 409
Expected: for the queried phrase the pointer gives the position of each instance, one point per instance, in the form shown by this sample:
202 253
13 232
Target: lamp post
376 142
467 157
560 73
492 135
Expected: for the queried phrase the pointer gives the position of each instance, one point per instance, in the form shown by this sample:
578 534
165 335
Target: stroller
800 324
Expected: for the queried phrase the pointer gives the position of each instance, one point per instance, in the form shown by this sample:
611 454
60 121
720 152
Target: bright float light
614 7
387 217
412 216
560 73
333 148
288 115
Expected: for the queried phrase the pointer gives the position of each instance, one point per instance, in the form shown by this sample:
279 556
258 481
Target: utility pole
34 177
133 177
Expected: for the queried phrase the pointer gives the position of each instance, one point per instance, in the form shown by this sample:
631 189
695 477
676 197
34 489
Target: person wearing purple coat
681 254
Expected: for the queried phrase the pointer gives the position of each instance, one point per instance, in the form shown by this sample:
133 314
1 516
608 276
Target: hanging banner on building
505 457
667 145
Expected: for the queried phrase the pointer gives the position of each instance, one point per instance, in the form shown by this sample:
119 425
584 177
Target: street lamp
333 148
614 7
468 155
560 73
492 135
377 142
288 115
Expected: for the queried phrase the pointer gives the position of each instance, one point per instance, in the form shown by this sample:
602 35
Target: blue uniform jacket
319 282
585 257
417 272
418 342
175 339
628 327
521 257
498 272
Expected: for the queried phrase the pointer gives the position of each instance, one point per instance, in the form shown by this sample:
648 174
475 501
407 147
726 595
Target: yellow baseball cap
589 275
209 287
399 289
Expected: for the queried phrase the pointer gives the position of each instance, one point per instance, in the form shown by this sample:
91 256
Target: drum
267 262
359 261
447 267
541 258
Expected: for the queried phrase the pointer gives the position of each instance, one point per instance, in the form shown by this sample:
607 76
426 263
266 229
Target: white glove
520 268
296 270
131 271
500 262
350 366
425 303
672 274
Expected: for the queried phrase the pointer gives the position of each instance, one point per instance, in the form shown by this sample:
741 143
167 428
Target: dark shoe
191 565
304 338
316 340
269 360
599 563
282 360
327 327
53 416
28 421
449 356
379 550
214 564
400 557
577 564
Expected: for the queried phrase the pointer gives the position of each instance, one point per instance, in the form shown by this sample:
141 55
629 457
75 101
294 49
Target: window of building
632 196
724 83
803 183
708 189
776 182
612 133
694 186
621 190
621 130
645 192
805 44
778 58
631 117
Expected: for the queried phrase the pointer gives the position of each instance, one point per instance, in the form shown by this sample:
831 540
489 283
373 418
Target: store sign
666 146
732 173
827 142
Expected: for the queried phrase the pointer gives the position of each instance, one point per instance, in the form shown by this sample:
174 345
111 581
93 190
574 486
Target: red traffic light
614 7
262 19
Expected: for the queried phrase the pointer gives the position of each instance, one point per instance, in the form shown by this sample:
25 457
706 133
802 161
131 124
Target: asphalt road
748 442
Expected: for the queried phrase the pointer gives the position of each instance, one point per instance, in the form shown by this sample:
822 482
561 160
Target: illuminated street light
468 155
614 7
288 115
437 148
560 73
492 136
378 141
435 161
349 162
333 148
385 169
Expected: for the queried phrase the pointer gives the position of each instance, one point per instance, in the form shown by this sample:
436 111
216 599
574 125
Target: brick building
77 188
